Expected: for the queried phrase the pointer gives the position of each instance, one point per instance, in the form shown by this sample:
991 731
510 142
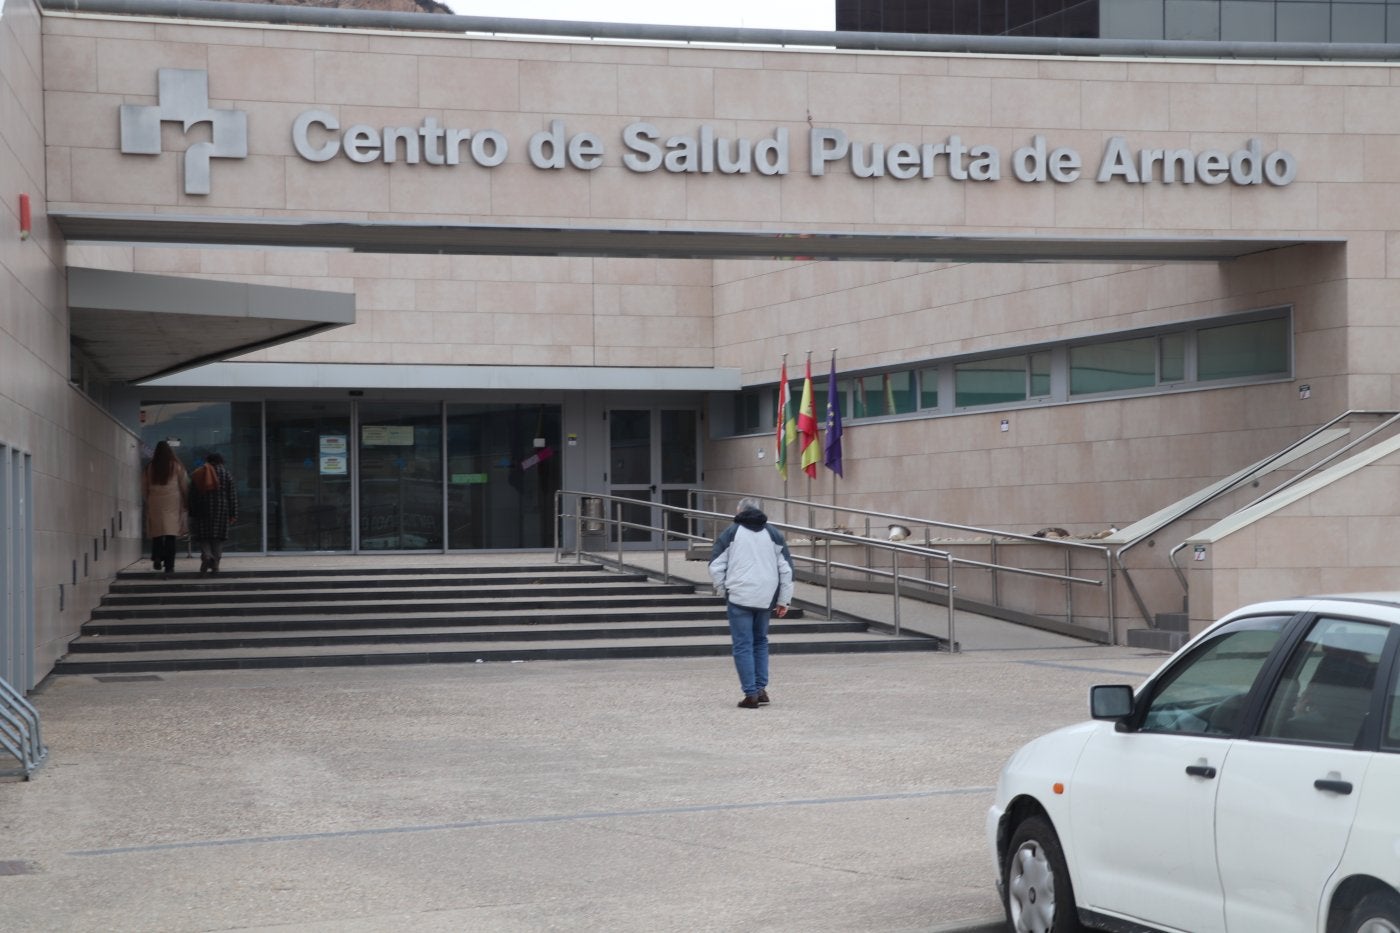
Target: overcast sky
755 14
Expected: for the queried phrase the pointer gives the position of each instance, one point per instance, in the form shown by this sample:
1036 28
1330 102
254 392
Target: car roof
1387 602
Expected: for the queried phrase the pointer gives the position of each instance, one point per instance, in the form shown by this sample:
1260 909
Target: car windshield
1205 692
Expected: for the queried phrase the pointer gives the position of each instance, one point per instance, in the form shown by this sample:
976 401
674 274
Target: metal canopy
133 327
662 243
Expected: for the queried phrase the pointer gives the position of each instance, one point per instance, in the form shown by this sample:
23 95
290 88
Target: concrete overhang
658 243
133 327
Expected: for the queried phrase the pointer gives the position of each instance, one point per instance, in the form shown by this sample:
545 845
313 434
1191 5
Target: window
1171 354
1391 736
990 382
1255 348
1205 693
1325 691
1113 367
883 394
748 412
928 387
1249 347
1040 374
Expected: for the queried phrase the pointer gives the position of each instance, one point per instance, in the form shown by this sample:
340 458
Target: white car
1251 785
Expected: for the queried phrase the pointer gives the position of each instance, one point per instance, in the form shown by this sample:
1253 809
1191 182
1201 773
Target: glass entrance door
308 476
400 460
654 457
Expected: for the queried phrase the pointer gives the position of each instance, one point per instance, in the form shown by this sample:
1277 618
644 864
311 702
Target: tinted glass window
1325 691
1237 350
1172 354
1113 367
1391 735
928 388
989 382
1204 694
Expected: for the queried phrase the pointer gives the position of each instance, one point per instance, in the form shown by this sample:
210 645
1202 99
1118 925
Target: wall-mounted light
25 219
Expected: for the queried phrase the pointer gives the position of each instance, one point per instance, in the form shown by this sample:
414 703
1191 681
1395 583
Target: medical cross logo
184 99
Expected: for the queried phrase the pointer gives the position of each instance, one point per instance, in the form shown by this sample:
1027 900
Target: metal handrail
902 519
827 537
1392 418
1068 545
20 733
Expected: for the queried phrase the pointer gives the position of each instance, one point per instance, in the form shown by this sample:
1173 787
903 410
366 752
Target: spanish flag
807 426
786 430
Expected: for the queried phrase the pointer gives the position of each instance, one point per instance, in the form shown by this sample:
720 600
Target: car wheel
1039 895
1377 912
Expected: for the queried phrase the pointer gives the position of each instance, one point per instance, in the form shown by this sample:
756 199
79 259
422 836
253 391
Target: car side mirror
1113 702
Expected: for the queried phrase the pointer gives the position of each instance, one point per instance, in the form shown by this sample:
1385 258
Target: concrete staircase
368 615
1172 630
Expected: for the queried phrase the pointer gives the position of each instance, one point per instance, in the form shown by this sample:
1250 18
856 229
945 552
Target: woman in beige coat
166 488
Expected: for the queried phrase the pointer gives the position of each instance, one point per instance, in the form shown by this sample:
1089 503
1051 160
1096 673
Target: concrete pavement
595 795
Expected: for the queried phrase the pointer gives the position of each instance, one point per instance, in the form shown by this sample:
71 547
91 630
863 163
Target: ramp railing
601 517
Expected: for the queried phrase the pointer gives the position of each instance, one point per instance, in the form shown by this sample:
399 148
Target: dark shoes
204 565
754 700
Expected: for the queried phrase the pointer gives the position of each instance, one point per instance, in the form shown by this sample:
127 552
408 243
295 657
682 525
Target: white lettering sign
646 148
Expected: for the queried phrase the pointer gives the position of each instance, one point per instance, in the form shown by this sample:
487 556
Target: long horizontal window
1252 347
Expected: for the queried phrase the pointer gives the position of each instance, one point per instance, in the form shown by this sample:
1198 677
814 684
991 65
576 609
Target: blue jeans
749 630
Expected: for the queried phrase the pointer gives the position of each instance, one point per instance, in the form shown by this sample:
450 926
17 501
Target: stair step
518 605
192 596
373 570
214 624
91 644
1156 639
1172 621
157 584
335 656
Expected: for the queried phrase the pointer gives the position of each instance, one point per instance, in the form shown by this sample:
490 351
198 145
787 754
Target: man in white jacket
751 567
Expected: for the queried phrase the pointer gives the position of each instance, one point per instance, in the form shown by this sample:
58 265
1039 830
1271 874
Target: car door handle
1336 787
1201 771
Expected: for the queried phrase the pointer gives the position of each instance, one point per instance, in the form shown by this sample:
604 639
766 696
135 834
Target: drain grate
18 868
126 678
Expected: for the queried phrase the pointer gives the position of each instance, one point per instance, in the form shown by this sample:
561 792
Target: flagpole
782 432
811 516
828 428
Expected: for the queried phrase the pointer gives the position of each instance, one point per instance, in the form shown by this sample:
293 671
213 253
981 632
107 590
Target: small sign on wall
1199 552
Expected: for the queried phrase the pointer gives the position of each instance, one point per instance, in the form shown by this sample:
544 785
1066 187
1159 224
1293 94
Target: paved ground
596 795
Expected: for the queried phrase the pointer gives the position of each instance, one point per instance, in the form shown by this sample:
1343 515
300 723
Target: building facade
412 282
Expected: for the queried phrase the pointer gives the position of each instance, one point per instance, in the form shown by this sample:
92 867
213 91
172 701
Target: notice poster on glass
333 444
333 465
387 435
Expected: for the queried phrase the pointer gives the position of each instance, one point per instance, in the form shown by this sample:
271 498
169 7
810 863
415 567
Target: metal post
578 533
617 524
952 635
1069 587
996 577
558 510
1108 582
895 588
828 578
665 546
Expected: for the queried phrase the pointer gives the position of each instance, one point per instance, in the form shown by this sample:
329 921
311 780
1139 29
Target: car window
1205 692
1325 691
1391 740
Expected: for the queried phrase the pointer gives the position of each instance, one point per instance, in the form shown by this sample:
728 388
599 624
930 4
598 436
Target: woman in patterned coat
213 507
